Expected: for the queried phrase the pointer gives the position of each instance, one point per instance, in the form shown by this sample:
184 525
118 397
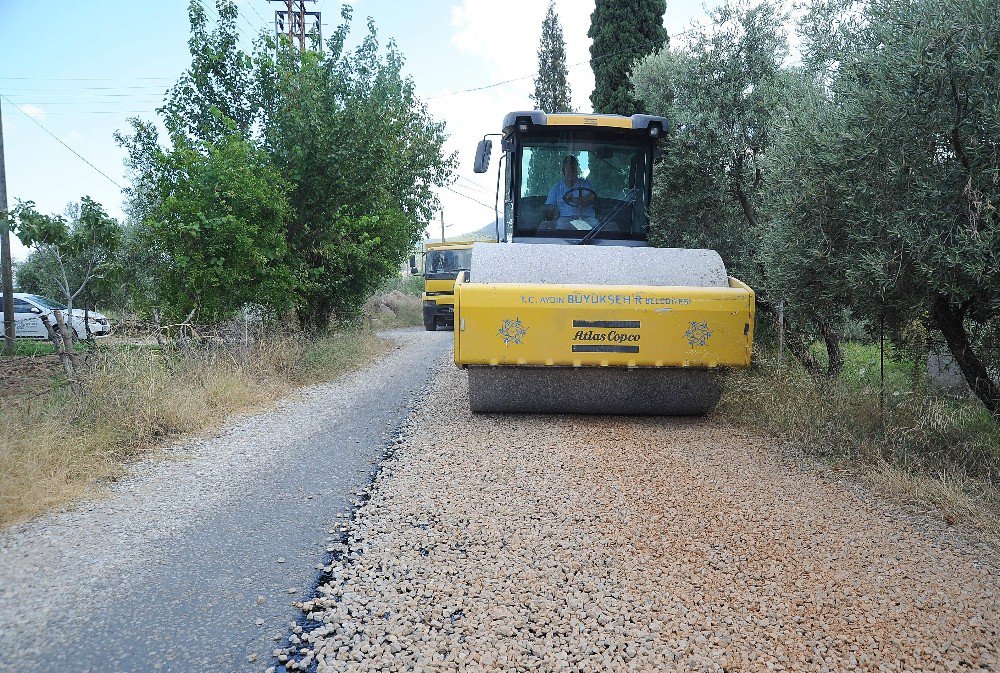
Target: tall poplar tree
623 31
552 92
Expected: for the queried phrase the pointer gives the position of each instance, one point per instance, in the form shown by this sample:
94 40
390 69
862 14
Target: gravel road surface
534 543
193 564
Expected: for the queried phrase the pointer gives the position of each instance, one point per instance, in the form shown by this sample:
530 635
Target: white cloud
33 111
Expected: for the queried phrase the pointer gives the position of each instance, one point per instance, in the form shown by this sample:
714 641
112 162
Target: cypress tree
623 31
552 92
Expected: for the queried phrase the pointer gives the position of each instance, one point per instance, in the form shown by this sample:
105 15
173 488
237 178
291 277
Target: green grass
411 285
37 347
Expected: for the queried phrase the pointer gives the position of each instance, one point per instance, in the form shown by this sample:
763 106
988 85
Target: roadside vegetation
264 235
855 188
909 441
58 443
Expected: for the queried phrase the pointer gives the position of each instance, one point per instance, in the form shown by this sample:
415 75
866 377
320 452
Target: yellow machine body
577 313
589 325
439 283
439 291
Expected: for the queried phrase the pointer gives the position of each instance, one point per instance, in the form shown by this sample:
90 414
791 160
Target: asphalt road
189 565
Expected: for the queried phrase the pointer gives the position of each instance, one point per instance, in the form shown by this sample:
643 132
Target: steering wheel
582 191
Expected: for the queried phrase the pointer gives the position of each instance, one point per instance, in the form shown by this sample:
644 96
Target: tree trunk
66 332
793 339
745 205
160 341
835 356
951 323
59 343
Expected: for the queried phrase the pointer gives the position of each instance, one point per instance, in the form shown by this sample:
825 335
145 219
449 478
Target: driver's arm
550 210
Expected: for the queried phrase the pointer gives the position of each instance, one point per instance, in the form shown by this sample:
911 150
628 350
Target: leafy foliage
214 227
863 186
914 88
363 155
71 254
326 163
623 31
726 91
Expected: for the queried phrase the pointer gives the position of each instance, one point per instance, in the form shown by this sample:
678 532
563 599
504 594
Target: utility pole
8 276
292 22
442 226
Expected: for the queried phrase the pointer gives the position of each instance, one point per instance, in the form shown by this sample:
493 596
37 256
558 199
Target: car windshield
45 302
447 262
569 185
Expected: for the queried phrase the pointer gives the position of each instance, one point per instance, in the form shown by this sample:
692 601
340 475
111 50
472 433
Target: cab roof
448 245
539 118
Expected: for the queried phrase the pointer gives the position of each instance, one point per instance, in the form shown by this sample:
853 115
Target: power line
473 185
97 112
90 79
516 79
68 91
94 101
59 140
254 9
531 76
89 99
468 197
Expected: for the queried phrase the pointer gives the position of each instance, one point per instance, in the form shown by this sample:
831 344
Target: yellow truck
442 263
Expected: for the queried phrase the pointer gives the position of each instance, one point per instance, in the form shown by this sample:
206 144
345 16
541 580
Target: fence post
881 369
781 332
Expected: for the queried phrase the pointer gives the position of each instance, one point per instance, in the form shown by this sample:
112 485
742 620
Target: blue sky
81 69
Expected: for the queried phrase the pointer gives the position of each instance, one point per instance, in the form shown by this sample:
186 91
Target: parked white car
28 309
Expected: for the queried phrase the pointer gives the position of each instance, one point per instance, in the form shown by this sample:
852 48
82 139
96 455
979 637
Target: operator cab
444 264
604 203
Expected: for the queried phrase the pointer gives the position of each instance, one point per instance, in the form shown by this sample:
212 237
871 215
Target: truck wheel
430 324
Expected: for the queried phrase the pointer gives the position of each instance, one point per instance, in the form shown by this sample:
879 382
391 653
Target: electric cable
60 141
474 200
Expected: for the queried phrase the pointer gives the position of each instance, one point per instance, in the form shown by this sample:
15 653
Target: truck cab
442 263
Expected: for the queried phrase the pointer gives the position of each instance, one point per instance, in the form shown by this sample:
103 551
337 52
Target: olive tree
915 87
725 91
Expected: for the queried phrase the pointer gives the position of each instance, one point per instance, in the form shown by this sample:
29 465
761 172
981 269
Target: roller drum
596 265
594 390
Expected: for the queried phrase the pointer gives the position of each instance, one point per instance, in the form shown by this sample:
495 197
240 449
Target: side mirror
483 152
413 265
36 310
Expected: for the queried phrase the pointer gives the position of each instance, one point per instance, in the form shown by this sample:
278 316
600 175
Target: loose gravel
543 543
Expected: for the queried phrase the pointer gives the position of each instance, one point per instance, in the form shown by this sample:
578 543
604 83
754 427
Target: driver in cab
571 200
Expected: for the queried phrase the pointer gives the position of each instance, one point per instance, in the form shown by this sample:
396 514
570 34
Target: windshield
447 263
47 303
568 186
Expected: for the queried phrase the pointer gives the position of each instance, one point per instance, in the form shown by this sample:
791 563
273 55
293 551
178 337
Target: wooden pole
5 260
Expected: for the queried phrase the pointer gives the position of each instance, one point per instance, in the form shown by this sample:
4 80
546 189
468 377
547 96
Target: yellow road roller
574 312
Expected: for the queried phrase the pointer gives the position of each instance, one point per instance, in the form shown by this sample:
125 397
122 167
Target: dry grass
55 446
920 448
